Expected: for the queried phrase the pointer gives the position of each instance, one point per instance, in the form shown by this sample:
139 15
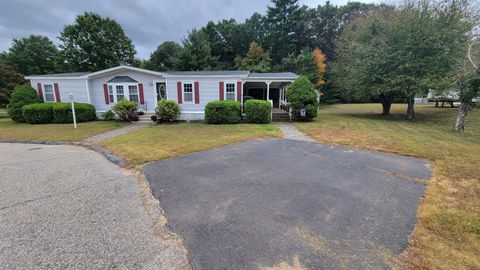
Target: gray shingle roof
62 75
209 73
279 75
121 79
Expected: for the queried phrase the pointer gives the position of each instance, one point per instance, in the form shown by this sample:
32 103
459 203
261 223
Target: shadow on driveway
273 202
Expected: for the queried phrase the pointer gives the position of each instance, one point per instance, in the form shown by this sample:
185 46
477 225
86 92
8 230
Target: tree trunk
465 107
411 108
386 100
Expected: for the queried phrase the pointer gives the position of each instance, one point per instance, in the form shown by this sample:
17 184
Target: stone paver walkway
114 133
292 133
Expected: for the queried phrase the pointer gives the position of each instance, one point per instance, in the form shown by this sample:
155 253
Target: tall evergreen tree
307 66
94 42
197 53
282 22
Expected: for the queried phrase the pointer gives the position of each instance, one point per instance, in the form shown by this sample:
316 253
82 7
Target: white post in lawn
73 111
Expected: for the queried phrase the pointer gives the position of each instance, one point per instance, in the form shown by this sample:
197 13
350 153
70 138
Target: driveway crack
62 193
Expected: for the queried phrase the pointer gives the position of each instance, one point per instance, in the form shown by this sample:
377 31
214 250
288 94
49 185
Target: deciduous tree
9 79
166 56
33 55
94 42
256 60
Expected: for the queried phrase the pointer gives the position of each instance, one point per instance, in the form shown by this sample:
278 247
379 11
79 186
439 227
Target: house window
110 94
120 93
230 91
187 92
133 93
49 94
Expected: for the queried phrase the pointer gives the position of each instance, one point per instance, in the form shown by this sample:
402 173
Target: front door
161 91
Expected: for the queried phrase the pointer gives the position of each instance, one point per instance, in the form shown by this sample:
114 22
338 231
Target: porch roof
274 76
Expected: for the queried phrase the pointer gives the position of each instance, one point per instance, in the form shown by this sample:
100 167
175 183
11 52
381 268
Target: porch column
268 89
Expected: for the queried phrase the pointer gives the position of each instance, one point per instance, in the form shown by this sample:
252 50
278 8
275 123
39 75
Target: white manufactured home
191 89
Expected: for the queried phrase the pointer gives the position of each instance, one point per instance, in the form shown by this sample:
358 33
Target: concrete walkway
291 132
114 133
67 207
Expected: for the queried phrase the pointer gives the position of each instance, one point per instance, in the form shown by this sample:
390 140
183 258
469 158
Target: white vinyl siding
230 92
188 92
48 94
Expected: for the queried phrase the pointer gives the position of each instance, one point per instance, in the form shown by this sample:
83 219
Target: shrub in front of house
22 95
58 113
38 113
302 95
258 111
125 110
167 111
223 112
108 115
62 112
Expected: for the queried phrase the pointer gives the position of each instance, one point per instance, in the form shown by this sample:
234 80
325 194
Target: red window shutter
197 92
105 93
179 92
40 91
140 93
57 92
221 91
239 91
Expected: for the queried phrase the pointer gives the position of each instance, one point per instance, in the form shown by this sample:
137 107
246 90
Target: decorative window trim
126 91
183 92
45 92
225 90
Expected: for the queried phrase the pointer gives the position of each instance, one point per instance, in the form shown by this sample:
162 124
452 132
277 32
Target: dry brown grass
447 235
168 140
10 130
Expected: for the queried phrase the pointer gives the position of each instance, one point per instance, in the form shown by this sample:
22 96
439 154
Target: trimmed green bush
223 112
258 111
38 113
59 113
125 110
22 95
62 112
167 110
302 95
108 115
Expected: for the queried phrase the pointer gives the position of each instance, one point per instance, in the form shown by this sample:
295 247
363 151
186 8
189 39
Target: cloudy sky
146 22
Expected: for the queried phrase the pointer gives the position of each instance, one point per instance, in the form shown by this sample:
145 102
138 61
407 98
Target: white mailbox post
73 110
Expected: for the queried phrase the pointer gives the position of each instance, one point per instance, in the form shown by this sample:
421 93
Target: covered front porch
268 86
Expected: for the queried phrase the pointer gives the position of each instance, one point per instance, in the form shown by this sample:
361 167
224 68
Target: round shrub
22 95
302 95
223 112
125 109
258 111
38 113
167 110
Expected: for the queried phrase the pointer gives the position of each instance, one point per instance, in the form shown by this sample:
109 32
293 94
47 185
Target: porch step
280 117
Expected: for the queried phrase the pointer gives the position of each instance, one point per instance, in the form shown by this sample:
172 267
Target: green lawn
447 235
167 140
53 132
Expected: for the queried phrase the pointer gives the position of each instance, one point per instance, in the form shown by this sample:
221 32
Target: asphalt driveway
270 204
66 207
